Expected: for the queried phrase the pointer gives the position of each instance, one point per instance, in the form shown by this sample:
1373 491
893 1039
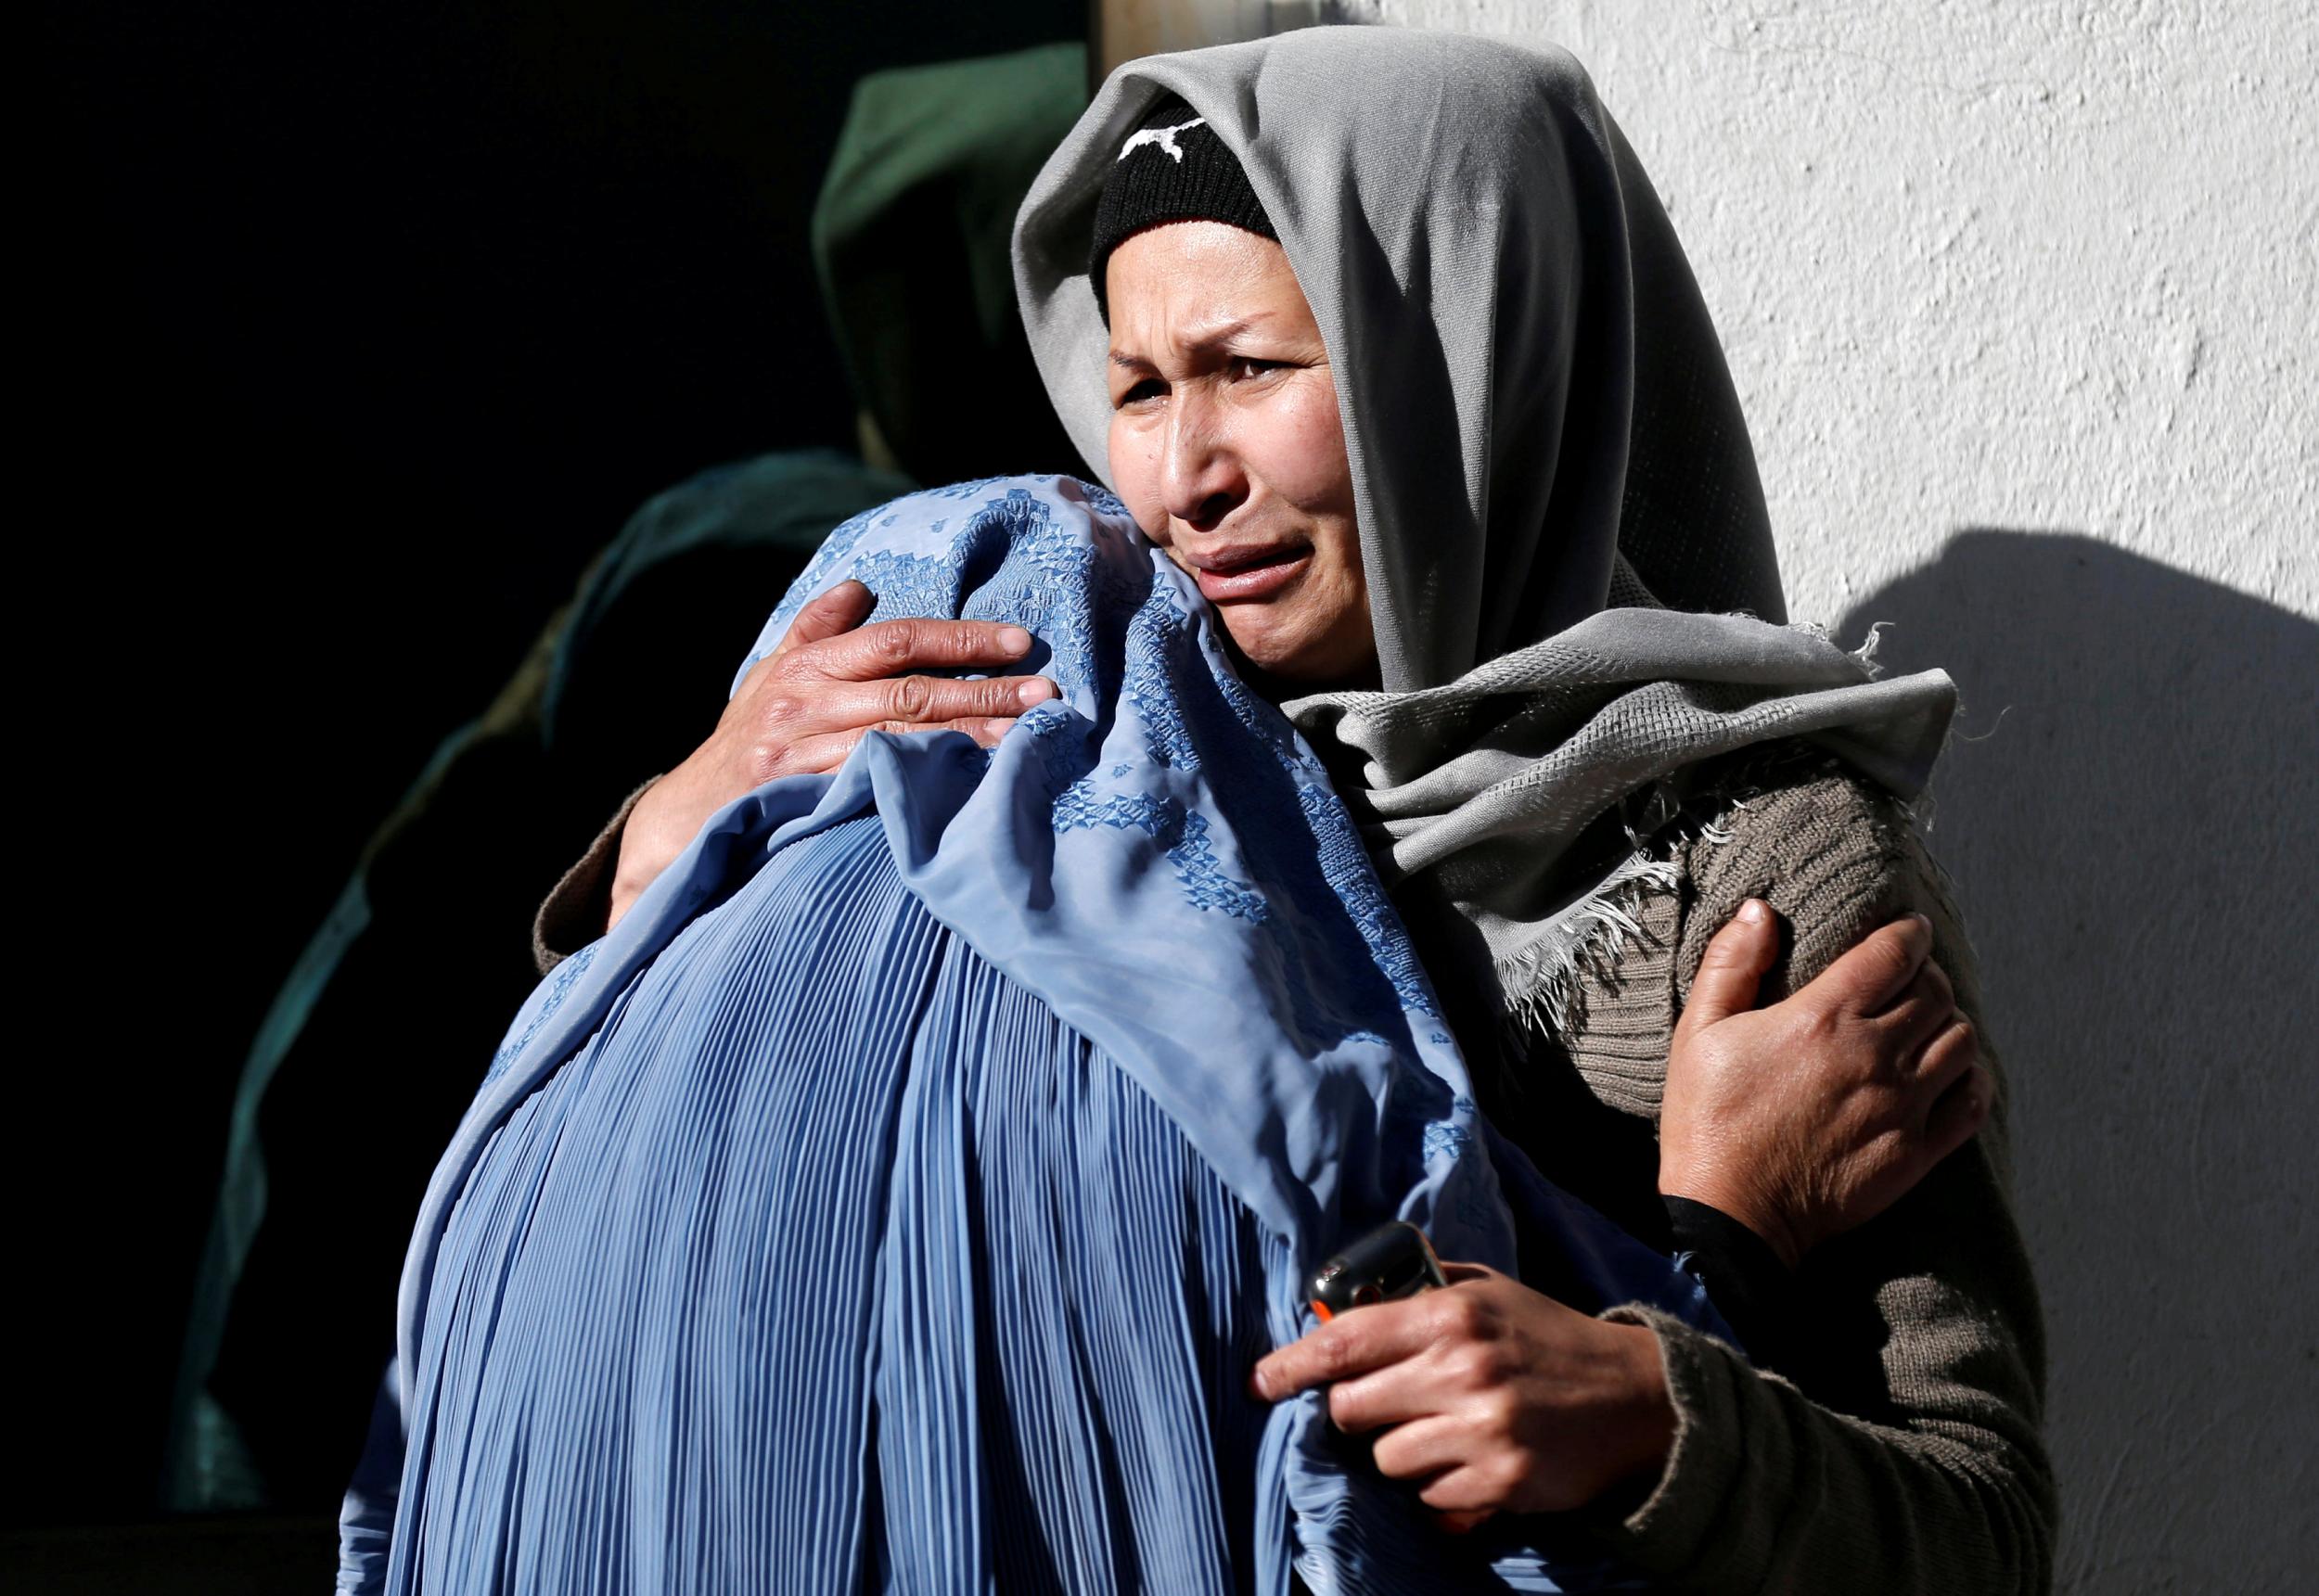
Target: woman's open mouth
1250 574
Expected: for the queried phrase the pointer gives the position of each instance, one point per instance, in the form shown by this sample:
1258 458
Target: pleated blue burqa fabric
899 1197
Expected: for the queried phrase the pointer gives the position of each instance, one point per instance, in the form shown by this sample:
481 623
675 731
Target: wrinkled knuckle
1495 1471
780 711
895 643
1455 1317
1477 1366
1889 1148
1823 1028
911 698
1716 1057
1495 1416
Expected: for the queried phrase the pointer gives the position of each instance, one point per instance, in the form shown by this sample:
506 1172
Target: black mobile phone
1392 1261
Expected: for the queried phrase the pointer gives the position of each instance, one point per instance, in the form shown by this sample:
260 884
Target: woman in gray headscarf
1474 501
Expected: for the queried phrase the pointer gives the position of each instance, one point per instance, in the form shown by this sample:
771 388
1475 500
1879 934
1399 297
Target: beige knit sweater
1902 1454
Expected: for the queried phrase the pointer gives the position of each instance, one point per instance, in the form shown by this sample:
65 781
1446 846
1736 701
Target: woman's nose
1202 481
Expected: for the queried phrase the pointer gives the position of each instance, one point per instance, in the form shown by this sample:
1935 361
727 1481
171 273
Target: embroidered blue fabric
898 1196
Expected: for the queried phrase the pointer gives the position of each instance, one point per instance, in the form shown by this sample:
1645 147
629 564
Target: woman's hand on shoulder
1491 1396
804 707
1809 1116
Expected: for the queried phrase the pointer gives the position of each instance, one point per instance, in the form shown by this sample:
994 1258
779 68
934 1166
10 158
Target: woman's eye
1151 387
1248 365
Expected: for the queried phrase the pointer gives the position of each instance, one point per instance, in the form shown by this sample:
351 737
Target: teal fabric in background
621 685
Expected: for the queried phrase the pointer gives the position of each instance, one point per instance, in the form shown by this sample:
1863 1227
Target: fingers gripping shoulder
1837 857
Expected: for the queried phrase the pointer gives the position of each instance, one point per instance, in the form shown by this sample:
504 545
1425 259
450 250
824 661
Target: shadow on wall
2131 809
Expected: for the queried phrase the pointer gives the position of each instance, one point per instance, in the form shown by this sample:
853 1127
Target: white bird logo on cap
1162 136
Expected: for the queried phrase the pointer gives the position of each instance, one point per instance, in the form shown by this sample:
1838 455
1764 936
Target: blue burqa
899 1195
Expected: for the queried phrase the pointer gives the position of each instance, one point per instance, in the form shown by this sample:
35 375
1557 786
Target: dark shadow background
2131 809
355 330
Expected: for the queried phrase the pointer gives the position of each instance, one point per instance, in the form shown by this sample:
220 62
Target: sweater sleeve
576 908
1900 1451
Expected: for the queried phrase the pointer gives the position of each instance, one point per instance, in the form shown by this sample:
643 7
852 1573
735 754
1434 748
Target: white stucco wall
2020 299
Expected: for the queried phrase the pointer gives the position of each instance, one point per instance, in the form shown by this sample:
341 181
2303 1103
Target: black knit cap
1168 170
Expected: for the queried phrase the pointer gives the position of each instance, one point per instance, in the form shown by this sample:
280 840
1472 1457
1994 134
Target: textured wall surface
2021 298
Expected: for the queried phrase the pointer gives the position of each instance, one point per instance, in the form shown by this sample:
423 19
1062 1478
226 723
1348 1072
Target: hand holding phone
1391 1262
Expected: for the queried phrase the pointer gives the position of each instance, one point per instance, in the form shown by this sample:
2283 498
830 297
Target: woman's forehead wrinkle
1194 338
1203 337
1205 304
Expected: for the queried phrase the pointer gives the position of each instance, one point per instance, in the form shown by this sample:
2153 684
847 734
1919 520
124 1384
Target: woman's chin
1290 660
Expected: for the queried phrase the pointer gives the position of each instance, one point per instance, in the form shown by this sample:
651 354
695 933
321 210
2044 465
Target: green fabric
911 237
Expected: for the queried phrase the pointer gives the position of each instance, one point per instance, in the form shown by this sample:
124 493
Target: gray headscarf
1568 561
